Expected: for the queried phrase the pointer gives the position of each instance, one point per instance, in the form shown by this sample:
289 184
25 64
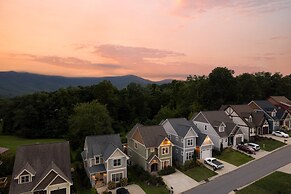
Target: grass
134 178
234 157
13 142
269 144
277 182
199 173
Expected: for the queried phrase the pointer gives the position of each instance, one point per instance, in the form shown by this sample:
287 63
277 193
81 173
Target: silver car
256 147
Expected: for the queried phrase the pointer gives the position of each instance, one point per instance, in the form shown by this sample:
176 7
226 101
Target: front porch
100 179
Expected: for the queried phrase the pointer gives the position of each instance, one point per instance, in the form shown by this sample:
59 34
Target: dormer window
250 119
221 127
205 127
97 160
189 142
273 114
24 179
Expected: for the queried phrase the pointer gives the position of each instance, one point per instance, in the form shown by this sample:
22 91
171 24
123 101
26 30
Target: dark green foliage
7 166
166 171
46 115
188 165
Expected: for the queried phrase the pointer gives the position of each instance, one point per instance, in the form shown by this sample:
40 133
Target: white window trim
152 149
96 160
168 150
29 179
187 154
163 166
135 145
190 140
117 173
116 165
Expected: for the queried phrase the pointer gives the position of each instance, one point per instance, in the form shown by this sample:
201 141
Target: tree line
69 112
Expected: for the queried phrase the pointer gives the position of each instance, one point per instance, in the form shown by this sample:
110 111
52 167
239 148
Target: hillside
16 83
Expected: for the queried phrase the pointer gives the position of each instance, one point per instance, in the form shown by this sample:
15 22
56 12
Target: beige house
42 169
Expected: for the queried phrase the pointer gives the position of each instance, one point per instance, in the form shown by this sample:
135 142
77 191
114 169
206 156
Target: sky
154 39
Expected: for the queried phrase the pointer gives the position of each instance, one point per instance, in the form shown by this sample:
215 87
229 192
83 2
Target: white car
280 134
214 163
255 146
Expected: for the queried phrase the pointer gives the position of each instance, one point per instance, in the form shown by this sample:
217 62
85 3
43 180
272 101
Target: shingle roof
152 136
216 118
97 168
2 150
267 107
281 99
41 158
181 126
103 145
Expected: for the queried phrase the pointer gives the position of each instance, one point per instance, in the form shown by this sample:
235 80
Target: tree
88 119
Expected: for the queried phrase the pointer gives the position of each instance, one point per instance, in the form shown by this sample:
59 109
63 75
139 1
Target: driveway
179 181
260 154
246 174
281 139
132 189
286 169
227 168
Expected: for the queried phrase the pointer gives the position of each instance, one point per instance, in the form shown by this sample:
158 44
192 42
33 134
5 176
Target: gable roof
281 99
103 145
181 126
216 118
152 136
2 150
244 111
40 159
267 107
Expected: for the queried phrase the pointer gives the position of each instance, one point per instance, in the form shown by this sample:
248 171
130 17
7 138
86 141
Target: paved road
245 174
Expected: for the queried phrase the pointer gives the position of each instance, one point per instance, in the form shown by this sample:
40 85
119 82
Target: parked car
246 148
122 191
214 163
256 147
280 134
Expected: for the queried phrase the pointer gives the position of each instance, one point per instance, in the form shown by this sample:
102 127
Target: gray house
104 159
186 139
218 126
149 147
42 169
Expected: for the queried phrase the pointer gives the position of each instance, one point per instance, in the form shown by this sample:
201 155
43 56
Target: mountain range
18 83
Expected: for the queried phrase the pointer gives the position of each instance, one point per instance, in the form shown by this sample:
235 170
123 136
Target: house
186 139
104 160
281 101
217 125
272 114
42 169
250 122
2 150
149 147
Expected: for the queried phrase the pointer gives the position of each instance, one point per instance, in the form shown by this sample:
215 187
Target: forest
74 112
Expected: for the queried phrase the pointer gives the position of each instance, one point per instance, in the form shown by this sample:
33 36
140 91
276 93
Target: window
182 153
226 140
135 145
117 162
221 128
152 149
129 153
97 160
177 138
165 150
189 142
116 177
165 164
182 140
205 127
189 155
273 114
24 179
250 119
169 136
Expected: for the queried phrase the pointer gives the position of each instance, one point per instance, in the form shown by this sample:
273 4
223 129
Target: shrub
166 171
111 185
156 181
123 182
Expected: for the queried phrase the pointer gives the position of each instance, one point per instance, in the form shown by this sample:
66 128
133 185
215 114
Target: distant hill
16 83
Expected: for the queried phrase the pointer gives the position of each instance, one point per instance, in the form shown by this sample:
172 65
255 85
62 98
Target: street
245 174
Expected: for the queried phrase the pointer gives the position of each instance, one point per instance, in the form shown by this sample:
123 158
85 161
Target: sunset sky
154 39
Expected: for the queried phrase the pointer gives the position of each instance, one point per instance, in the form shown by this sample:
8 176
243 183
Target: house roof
244 111
97 168
216 118
281 99
151 136
267 107
181 126
103 145
40 159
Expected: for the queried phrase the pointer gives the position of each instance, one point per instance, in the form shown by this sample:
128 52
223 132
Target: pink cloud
189 8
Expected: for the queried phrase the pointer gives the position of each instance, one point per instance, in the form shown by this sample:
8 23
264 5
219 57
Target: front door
154 167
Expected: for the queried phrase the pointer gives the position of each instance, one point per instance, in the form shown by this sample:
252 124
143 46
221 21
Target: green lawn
234 157
277 182
269 144
152 189
13 142
199 173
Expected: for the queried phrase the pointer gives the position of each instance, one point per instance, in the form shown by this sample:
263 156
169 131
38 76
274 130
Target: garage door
238 140
60 191
206 153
